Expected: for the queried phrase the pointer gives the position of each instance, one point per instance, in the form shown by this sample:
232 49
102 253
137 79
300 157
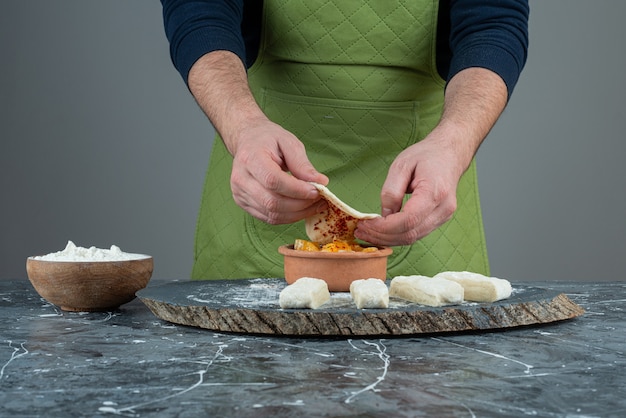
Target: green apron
357 82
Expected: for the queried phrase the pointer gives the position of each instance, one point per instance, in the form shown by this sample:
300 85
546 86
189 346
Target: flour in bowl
74 253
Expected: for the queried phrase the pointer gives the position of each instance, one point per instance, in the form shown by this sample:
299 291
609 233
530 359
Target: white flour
74 253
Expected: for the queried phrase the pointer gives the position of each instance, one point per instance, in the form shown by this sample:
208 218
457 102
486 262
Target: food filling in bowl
335 246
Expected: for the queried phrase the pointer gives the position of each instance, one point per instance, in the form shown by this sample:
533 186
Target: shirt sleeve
490 34
196 27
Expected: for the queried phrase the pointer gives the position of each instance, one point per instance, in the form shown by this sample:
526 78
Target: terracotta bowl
89 286
336 269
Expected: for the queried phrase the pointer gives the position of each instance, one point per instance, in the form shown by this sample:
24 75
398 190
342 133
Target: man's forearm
218 82
474 99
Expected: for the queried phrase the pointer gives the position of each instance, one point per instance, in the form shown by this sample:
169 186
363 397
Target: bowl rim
288 251
140 257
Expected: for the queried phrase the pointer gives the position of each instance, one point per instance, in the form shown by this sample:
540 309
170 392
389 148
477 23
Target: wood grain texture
250 306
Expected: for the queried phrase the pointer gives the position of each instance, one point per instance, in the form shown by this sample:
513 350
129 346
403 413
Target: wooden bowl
89 286
338 270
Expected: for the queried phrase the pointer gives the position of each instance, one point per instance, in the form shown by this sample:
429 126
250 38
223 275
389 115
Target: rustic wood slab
251 306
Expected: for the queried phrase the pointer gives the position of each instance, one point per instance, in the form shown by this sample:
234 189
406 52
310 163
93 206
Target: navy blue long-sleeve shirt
490 34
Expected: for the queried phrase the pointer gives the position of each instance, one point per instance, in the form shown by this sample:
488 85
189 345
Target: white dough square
426 290
306 292
478 287
370 294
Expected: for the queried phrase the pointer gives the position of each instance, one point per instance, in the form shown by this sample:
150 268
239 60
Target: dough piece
306 292
338 222
426 290
479 288
369 293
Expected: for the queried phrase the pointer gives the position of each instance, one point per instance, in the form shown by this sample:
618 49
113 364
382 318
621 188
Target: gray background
102 144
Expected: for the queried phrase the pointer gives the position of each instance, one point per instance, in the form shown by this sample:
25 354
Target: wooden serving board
251 306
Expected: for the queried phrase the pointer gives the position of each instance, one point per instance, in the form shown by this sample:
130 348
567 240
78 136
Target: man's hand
424 171
430 170
260 181
271 170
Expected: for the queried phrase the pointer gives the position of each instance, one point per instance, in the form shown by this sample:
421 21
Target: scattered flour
74 253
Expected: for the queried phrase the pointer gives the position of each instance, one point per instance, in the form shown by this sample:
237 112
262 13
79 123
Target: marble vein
17 353
380 350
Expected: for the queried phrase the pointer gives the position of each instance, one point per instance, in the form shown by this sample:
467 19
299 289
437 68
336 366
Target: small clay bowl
338 270
89 286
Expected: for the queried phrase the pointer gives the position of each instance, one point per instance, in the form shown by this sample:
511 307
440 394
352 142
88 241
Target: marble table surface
130 363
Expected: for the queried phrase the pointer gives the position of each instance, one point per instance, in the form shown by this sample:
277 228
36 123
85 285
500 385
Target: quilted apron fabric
356 81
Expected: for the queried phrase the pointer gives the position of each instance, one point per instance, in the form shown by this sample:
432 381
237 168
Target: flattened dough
306 292
426 290
479 288
370 294
338 222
